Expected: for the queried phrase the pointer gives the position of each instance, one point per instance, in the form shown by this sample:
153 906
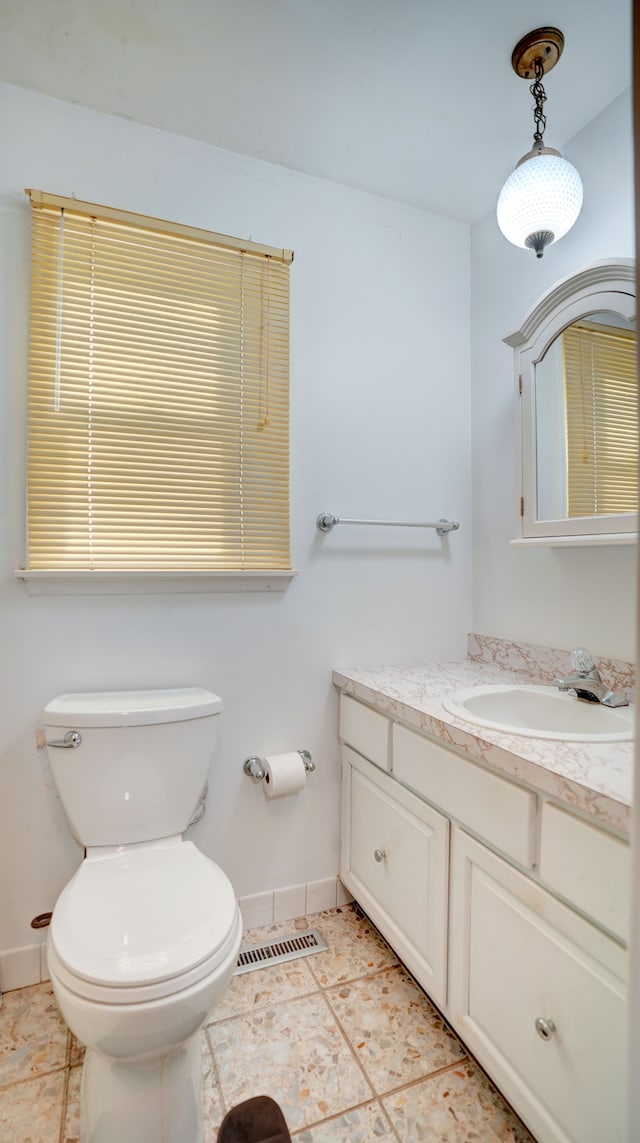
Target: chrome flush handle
71 740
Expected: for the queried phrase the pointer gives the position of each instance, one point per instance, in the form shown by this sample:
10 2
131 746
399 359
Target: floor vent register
280 950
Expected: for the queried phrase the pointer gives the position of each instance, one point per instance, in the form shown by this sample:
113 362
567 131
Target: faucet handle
582 661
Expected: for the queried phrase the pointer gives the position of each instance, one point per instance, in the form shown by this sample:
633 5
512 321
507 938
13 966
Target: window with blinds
158 434
601 398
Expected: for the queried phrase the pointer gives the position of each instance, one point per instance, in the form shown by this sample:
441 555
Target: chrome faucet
586 681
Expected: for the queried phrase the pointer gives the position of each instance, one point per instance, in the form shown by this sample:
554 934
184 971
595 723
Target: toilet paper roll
284 774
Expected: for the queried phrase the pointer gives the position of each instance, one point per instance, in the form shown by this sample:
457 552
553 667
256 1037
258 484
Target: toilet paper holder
254 768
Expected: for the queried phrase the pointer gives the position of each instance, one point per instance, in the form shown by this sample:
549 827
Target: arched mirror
577 393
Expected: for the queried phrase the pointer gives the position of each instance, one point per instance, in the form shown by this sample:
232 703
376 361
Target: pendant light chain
539 94
541 199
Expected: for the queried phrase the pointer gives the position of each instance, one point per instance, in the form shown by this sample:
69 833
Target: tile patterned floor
344 1040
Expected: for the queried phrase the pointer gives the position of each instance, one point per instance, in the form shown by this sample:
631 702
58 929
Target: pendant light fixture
542 198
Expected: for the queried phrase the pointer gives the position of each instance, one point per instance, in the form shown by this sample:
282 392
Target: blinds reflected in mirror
601 401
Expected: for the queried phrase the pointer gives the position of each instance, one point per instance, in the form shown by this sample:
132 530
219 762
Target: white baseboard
292 901
22 967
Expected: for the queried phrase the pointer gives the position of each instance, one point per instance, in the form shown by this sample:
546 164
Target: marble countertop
596 778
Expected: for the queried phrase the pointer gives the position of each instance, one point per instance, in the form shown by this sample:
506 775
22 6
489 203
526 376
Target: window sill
44 582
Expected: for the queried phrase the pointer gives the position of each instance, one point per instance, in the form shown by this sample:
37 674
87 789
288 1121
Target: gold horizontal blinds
601 397
158 399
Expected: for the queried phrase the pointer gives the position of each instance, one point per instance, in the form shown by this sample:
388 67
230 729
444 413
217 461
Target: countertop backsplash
544 664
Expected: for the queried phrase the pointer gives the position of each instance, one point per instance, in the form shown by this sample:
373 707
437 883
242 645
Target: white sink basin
541 712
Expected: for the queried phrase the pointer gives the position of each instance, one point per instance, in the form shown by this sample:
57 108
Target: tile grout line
348 1043
65 1104
317 992
471 1059
319 989
322 990
419 1079
469 1056
262 1008
360 1065
380 1096
339 1114
65 1088
29 1079
354 979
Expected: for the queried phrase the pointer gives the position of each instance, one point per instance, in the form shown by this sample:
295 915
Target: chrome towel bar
325 522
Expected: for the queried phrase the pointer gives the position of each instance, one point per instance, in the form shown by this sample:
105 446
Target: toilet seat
142 922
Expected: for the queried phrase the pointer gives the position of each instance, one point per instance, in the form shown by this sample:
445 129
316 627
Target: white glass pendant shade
540 200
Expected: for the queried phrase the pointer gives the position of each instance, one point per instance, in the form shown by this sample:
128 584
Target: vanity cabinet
509 910
395 861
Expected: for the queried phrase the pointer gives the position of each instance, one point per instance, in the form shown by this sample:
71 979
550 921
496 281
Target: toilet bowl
145 936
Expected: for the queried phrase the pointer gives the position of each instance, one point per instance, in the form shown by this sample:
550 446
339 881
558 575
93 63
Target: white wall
545 595
379 428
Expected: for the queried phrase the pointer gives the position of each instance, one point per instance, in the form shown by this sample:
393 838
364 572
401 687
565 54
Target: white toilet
145 937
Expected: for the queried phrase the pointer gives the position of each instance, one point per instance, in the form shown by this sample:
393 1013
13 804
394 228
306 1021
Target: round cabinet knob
545 1028
379 855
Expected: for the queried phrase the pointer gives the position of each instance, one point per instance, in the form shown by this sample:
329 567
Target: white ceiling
412 99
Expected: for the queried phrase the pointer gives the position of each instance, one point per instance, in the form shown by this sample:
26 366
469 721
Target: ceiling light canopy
542 198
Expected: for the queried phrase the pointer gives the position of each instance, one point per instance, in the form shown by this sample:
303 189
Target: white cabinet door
395 862
517 956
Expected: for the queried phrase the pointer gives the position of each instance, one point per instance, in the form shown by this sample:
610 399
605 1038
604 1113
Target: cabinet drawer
517 955
395 861
490 806
588 866
365 730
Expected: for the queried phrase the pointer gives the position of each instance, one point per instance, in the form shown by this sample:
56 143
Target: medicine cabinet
577 400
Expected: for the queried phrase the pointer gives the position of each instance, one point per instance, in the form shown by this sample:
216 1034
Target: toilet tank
141 763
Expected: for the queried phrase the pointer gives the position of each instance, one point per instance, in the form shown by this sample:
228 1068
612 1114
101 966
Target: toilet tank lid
131 708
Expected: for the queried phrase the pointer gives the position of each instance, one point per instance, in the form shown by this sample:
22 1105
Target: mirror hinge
520 384
522 505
